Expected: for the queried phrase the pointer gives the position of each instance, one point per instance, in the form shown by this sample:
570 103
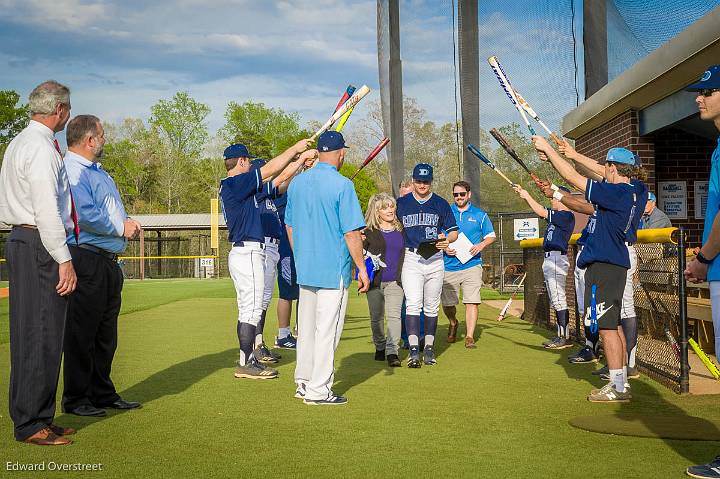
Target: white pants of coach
555 268
272 256
321 316
246 265
422 281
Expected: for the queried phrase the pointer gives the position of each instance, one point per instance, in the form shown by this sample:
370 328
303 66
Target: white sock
258 340
618 379
413 340
429 340
283 332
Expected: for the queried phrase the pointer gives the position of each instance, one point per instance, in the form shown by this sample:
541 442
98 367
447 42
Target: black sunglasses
708 91
460 194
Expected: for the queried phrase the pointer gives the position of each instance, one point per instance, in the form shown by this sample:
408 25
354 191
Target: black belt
248 243
96 250
272 240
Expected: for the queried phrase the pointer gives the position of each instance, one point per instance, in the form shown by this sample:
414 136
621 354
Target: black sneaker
550 341
710 470
599 372
414 358
393 360
429 356
632 373
380 355
585 355
263 354
558 343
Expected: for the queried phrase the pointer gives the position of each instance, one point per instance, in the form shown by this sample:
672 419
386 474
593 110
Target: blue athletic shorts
287 276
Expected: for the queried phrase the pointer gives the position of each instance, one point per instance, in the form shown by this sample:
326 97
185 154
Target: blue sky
120 57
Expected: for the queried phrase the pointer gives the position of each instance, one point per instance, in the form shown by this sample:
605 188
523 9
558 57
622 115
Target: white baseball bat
509 91
509 301
352 101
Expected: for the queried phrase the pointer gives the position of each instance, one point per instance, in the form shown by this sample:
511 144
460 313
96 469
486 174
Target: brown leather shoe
62 431
45 437
470 342
452 331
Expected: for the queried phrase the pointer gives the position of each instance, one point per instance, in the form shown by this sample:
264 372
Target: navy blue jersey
584 233
608 229
280 204
560 226
642 195
241 211
423 221
269 218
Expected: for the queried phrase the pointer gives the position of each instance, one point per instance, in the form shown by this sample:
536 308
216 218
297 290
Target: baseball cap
651 196
237 150
709 80
620 155
422 172
330 141
257 163
638 160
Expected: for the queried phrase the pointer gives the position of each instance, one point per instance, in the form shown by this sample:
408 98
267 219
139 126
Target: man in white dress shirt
35 199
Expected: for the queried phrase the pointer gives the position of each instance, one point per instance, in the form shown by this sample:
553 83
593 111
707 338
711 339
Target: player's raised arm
596 169
562 166
275 166
539 209
305 160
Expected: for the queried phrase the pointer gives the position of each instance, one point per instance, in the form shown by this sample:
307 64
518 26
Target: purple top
394 244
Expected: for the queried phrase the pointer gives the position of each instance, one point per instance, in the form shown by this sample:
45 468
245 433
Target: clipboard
427 249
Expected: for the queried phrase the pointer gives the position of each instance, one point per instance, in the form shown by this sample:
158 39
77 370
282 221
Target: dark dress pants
91 331
37 322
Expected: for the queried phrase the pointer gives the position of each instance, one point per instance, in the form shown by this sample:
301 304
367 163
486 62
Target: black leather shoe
123 404
380 355
87 410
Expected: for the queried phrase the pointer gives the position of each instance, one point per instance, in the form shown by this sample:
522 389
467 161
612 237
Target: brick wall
667 155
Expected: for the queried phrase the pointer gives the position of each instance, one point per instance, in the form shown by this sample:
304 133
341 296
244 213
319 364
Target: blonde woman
383 239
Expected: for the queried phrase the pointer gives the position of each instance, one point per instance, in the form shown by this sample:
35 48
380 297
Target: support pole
682 310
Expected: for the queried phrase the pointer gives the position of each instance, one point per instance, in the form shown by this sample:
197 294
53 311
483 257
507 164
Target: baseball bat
343 120
489 163
526 106
505 309
350 103
511 151
372 155
509 91
704 358
348 93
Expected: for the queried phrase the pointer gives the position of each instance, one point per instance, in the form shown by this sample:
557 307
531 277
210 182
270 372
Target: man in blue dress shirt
91 329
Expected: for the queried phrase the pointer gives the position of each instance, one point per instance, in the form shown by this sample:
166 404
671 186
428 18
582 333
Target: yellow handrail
658 235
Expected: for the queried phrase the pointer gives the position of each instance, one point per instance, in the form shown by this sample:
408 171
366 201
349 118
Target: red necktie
73 212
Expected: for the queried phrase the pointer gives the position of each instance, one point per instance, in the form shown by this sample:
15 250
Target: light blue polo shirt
713 205
476 225
321 207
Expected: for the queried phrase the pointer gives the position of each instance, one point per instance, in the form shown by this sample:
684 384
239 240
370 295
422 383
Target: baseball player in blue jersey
247 257
475 224
561 223
288 289
424 216
605 255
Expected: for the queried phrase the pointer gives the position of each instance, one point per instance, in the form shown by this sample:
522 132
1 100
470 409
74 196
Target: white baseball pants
422 281
555 268
627 306
580 285
272 256
321 316
246 265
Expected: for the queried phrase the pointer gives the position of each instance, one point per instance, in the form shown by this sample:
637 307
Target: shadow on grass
170 381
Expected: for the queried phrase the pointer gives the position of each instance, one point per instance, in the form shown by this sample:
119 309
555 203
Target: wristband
558 196
701 257
554 187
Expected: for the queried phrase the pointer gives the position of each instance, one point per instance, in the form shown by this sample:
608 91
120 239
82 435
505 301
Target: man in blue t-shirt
247 256
475 224
323 220
561 223
619 201
706 265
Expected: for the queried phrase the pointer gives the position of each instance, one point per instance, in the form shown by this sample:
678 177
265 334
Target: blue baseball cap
257 163
621 155
237 150
330 141
651 196
709 80
422 172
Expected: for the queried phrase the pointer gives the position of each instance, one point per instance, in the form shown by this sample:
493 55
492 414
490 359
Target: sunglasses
460 195
708 91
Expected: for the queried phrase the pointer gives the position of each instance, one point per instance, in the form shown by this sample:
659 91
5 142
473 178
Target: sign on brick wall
701 196
672 198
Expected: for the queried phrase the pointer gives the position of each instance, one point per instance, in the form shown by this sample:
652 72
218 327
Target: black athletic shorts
609 283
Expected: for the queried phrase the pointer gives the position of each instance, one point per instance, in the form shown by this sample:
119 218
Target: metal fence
660 303
503 260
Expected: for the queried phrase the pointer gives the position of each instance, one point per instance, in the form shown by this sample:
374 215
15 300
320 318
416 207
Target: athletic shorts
608 281
288 288
469 280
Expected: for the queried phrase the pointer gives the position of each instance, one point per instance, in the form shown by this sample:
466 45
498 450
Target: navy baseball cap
257 163
237 150
708 81
422 172
651 196
330 141
620 155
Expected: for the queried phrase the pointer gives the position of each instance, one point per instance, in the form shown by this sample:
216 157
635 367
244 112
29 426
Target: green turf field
499 411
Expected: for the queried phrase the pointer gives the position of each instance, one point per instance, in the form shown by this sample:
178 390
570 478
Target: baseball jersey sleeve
350 214
246 184
604 194
486 227
448 218
288 217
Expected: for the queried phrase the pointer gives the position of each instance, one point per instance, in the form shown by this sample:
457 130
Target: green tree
365 187
13 118
266 131
181 123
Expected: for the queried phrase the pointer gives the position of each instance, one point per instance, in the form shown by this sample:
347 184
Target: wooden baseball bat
526 106
372 155
511 151
473 149
350 103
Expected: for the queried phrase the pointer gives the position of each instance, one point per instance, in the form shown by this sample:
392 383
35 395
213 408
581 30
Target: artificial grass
499 411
